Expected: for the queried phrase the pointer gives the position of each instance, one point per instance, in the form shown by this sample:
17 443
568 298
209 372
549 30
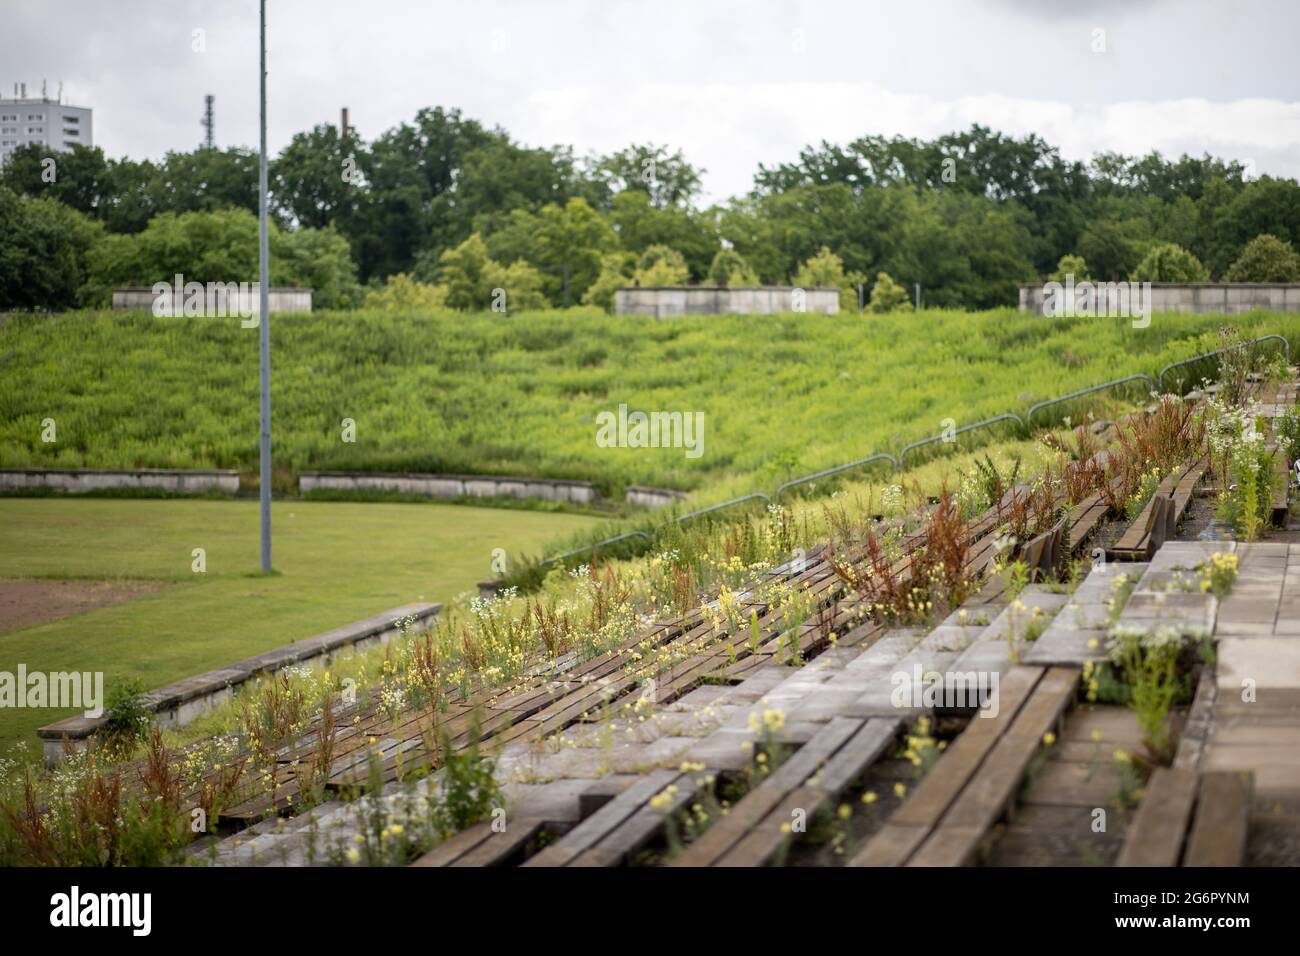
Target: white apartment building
40 119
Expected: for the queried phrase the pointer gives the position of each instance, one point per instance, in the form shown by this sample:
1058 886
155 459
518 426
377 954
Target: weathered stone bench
80 480
177 704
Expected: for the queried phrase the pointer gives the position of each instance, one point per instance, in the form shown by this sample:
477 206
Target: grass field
338 562
781 395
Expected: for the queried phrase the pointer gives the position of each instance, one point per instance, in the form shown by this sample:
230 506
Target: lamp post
264 325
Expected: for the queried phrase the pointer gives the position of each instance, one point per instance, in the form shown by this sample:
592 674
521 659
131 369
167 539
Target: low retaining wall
236 301
646 497
177 704
661 301
92 479
1182 297
448 486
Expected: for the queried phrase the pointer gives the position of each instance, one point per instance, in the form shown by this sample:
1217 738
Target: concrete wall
645 497
246 301
1191 297
663 301
177 704
89 479
448 486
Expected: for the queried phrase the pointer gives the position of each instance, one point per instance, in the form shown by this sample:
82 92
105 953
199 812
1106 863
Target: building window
72 120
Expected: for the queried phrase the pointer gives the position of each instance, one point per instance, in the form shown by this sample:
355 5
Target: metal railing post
1008 417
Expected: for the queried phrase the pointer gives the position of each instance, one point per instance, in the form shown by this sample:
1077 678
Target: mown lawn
520 394
338 562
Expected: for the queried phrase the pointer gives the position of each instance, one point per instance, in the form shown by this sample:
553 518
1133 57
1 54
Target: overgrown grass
589 611
782 395
339 562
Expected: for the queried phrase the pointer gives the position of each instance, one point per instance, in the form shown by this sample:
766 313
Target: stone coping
214 681
427 475
36 470
662 492
252 283
726 288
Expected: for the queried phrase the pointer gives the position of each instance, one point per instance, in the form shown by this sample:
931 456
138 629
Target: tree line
442 211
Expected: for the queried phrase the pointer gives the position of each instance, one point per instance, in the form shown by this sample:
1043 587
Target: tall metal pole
264 325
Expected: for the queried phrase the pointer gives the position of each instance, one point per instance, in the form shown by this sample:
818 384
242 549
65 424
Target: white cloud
720 80
731 129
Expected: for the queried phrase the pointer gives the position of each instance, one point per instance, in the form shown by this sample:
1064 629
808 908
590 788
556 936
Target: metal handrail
1009 416
776 495
721 505
642 534
1024 423
598 545
1286 351
1029 417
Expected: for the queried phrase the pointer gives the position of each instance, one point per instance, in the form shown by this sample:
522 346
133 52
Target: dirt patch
1201 523
28 603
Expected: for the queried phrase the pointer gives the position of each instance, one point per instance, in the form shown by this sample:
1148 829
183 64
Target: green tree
474 282
826 270
640 225
496 177
401 291
131 200
1070 265
1108 250
615 273
43 250
467 272
405 170
661 266
569 242
318 259
1169 263
316 180
221 246
1266 259
666 178
78 178
521 285
1242 212
206 180
730 268
888 296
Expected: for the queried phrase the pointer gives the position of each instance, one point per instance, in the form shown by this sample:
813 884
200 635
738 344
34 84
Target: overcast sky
732 84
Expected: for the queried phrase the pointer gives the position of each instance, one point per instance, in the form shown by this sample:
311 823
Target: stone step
1077 633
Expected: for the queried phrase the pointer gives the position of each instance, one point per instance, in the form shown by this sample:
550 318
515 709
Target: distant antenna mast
207 121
